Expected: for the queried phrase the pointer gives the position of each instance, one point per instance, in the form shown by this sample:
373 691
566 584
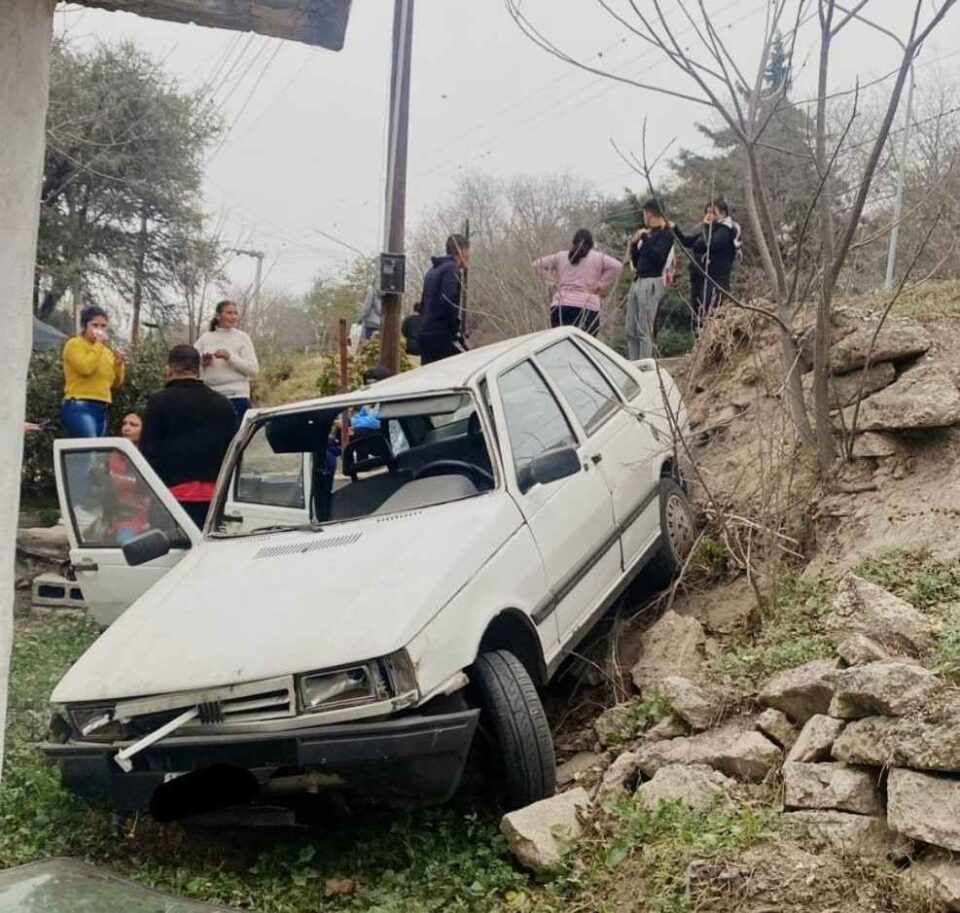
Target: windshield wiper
272 528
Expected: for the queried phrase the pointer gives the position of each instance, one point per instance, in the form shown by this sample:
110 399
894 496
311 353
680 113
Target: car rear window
624 382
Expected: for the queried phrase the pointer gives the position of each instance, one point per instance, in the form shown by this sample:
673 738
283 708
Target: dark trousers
564 315
196 511
706 293
240 405
436 349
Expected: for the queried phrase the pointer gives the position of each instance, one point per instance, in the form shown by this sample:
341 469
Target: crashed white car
350 625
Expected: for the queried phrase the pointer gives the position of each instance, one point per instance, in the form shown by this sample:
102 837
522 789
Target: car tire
513 718
677 533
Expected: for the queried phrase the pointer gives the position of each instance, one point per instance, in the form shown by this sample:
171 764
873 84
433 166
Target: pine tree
776 75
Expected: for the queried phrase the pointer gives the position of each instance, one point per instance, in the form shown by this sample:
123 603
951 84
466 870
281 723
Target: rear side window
624 382
535 422
586 390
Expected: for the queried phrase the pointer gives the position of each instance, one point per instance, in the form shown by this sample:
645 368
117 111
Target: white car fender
512 580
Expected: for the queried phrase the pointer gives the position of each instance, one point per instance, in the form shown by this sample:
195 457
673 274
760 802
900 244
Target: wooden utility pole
396 188
342 344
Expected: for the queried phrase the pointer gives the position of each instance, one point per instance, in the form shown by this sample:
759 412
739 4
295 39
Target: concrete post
26 29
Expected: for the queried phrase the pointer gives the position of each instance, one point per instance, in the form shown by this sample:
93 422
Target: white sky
305 153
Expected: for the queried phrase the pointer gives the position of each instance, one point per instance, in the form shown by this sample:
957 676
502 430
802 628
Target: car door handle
596 459
85 564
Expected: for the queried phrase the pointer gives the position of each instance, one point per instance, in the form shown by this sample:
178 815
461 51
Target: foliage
639 717
144 375
122 174
331 300
789 637
402 862
366 356
914 575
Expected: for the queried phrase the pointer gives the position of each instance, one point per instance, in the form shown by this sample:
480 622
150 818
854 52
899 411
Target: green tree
331 299
122 176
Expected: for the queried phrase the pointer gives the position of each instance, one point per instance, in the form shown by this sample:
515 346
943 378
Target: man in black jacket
649 249
441 332
186 432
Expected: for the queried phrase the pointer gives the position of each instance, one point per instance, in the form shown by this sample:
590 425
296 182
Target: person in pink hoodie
579 277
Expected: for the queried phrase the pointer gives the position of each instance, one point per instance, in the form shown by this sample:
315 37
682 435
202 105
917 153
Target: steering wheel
443 467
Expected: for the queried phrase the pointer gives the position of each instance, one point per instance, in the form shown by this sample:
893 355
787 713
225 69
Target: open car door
109 494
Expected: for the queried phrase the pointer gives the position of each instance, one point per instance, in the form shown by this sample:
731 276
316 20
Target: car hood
239 610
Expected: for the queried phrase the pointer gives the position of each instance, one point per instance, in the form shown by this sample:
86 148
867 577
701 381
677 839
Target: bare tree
717 79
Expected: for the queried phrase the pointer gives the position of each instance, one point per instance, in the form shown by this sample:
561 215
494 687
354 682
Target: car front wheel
677 533
513 720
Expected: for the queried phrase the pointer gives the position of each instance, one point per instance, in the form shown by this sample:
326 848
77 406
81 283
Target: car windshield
401 455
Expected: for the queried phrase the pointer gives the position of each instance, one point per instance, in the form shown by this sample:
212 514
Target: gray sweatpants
642 304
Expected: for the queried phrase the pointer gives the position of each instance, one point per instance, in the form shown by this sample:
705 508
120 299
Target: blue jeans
240 405
84 417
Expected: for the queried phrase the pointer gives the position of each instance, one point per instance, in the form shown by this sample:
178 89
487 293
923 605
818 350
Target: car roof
455 373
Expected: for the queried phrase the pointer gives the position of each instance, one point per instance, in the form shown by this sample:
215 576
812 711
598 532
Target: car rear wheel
677 533
513 719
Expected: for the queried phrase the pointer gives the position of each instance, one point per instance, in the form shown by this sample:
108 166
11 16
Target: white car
351 631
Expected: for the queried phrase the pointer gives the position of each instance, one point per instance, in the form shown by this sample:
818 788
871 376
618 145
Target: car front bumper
414 758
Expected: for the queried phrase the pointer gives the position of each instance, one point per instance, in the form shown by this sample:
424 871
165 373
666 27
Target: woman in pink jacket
579 277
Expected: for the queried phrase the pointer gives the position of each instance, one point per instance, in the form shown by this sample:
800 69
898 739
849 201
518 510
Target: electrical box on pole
393 273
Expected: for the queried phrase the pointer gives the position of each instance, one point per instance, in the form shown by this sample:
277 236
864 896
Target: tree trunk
138 279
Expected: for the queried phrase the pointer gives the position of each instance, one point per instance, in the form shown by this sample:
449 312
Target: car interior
427 451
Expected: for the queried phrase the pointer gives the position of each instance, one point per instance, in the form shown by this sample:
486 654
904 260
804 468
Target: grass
790 635
414 862
637 717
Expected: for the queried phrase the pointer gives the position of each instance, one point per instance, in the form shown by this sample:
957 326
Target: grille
308 545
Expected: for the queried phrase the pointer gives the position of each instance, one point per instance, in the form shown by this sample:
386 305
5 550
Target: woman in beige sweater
229 361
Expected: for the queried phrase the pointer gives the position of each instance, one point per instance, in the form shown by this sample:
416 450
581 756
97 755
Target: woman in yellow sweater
91 372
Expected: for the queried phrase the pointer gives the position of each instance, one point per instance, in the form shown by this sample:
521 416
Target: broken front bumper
412 758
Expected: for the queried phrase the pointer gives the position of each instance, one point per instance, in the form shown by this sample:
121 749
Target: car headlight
376 680
95 723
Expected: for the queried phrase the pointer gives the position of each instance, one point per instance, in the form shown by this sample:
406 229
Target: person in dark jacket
186 431
715 249
410 329
441 332
649 250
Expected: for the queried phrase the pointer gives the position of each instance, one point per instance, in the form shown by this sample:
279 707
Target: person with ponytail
229 361
579 277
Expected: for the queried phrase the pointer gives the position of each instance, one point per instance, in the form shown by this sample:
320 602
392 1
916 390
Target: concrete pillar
26 29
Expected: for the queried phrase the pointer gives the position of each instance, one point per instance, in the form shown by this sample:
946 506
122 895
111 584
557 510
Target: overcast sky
305 150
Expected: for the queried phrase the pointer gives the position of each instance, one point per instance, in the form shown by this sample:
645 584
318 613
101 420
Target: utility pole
463 285
396 188
255 297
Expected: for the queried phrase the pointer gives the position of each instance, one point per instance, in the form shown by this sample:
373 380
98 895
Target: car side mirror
550 467
154 543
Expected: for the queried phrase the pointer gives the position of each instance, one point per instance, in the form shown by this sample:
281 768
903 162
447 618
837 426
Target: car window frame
234 493
558 393
503 431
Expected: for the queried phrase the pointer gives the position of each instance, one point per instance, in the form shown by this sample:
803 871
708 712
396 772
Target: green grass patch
915 576
402 862
791 633
637 717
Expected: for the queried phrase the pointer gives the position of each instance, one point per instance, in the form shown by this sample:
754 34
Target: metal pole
395 195
463 285
255 301
342 344
898 200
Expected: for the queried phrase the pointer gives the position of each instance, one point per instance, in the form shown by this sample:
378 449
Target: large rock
925 744
858 649
673 645
612 724
843 389
742 754
620 777
816 739
801 692
831 786
688 701
863 608
888 688
876 445
936 878
580 763
540 834
670 727
846 834
922 397
924 807
897 340
695 785
776 727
